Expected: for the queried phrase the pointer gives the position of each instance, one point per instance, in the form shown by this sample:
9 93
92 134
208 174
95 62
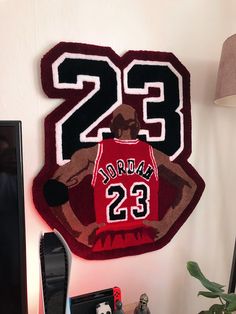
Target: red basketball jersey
125 182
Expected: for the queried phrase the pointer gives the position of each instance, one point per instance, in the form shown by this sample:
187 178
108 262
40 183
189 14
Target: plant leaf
231 307
230 297
216 309
209 294
195 271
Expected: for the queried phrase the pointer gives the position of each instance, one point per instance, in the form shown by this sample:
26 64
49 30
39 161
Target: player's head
125 124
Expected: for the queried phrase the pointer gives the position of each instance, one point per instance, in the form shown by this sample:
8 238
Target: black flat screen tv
13 285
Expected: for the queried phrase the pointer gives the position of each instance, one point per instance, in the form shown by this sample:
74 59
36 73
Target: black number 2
72 71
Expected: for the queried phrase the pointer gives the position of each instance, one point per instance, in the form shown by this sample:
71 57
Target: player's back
125 182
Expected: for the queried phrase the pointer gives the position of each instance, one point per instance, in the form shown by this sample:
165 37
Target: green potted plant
226 301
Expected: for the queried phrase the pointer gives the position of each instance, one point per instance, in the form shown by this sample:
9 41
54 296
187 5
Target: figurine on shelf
119 308
142 307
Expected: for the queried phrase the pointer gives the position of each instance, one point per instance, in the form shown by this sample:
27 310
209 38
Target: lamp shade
226 78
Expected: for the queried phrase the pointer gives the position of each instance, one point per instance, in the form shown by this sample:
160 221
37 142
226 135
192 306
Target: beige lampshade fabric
226 78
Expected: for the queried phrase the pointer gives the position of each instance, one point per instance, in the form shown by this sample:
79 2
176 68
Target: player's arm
69 175
80 165
176 176
57 196
186 187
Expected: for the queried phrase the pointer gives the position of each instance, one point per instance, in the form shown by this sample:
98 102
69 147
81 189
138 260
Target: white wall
194 31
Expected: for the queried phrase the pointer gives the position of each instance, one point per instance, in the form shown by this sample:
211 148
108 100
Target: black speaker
54 270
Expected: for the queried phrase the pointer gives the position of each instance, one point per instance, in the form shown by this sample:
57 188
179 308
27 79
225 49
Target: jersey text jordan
128 167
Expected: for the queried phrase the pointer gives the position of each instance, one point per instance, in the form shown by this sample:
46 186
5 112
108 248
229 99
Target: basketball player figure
142 307
125 174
